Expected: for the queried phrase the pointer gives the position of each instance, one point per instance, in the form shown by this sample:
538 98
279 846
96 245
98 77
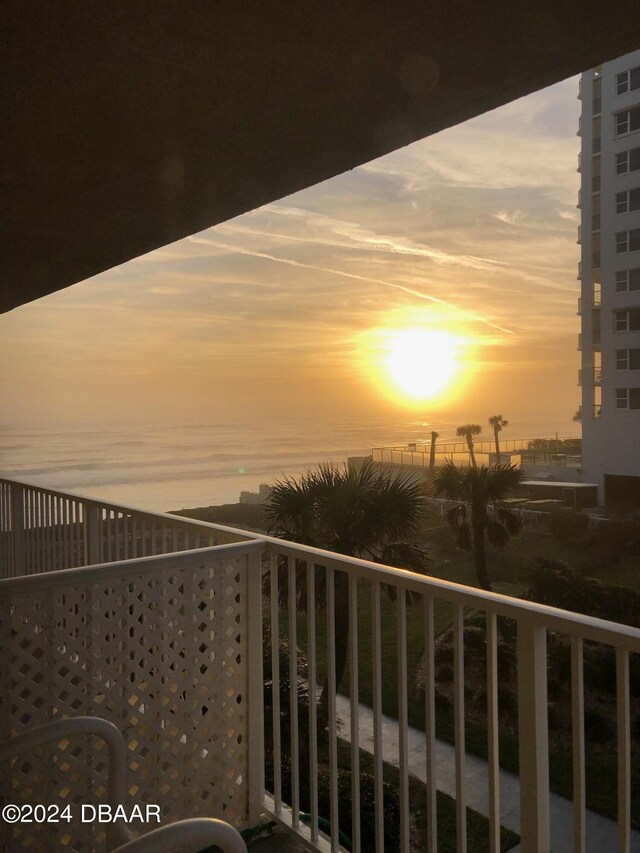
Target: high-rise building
609 271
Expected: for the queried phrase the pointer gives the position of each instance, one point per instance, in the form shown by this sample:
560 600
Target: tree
480 512
432 456
468 431
364 513
498 422
577 418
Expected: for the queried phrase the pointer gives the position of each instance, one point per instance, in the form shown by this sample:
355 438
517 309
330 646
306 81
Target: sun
421 364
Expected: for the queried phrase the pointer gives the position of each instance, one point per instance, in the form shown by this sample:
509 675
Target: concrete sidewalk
602 833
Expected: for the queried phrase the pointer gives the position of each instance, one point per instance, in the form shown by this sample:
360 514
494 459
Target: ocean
163 468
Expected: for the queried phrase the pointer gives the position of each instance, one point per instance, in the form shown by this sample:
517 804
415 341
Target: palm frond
467 430
508 519
497 533
459 522
352 511
448 482
498 422
504 479
405 555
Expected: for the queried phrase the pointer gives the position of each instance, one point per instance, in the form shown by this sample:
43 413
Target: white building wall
611 435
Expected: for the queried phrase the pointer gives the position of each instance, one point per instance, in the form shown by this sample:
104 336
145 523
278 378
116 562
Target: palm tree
498 422
432 457
364 513
468 431
481 492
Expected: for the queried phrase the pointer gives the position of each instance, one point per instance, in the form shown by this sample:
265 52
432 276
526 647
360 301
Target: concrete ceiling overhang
128 125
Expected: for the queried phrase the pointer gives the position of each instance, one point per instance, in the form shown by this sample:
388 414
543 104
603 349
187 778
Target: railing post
92 535
255 695
17 529
533 738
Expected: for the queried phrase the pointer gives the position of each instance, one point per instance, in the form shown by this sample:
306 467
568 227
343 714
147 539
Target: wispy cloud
357 237
417 293
512 217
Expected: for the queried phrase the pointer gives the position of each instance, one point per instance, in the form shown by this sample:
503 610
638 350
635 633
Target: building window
628 161
627 121
627 398
628 359
628 280
628 81
628 241
627 320
627 201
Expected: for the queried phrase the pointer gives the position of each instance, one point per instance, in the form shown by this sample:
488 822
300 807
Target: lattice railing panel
158 647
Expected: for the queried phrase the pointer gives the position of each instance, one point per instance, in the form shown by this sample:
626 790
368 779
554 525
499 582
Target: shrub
568 524
599 726
284 683
507 699
557 717
554 582
367 804
615 540
559 665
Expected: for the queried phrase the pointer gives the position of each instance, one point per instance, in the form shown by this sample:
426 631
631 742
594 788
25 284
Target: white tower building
610 277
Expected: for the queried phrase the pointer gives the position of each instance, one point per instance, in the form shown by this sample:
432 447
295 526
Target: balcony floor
279 840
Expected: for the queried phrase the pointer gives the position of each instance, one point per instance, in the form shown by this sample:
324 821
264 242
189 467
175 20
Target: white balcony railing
170 648
44 530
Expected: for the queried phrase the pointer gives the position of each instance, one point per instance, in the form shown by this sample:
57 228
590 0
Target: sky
470 234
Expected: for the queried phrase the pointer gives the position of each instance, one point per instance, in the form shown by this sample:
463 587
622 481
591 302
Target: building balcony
579 311
595 184
166 627
579 240
597 376
579 275
579 204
